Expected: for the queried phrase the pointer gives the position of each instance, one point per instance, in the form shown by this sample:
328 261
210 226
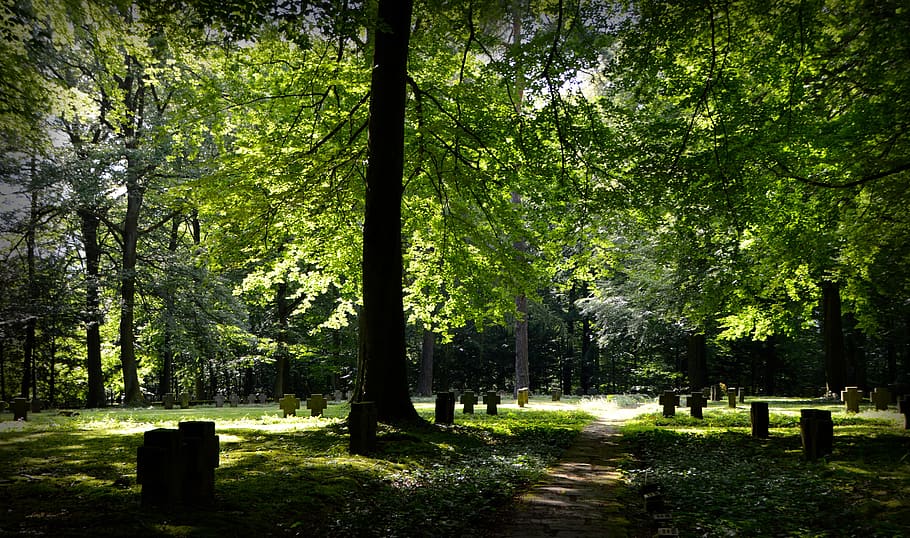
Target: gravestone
716 392
20 408
468 399
742 394
669 401
556 395
316 404
184 400
337 395
168 400
251 399
491 399
523 396
851 397
731 397
263 399
696 402
289 404
817 432
758 415
445 407
903 407
235 399
177 467
219 400
35 405
362 423
200 448
881 397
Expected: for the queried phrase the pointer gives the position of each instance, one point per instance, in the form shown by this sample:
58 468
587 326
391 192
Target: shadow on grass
723 482
426 481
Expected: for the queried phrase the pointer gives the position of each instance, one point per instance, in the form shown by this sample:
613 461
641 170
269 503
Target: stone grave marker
881 397
219 400
362 423
289 404
903 407
20 408
731 397
523 395
184 400
235 399
35 405
716 393
316 404
817 432
696 402
851 397
556 395
758 415
177 467
251 399
263 399
669 401
469 400
168 400
742 394
337 395
491 399
445 407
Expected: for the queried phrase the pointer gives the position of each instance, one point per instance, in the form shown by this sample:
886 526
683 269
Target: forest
303 196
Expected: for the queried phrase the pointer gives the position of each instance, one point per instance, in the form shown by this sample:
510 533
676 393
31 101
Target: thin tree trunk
131 391
833 335
282 363
698 361
167 343
90 223
28 360
425 380
382 373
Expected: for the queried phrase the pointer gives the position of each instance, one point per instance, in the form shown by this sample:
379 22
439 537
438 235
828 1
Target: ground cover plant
719 481
72 476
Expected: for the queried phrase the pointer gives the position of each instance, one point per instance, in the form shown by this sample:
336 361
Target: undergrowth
72 476
719 481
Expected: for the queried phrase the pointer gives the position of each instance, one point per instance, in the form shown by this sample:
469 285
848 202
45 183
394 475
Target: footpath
583 494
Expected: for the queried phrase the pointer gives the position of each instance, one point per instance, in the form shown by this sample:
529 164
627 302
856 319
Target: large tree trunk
131 391
382 373
522 369
90 223
833 335
425 379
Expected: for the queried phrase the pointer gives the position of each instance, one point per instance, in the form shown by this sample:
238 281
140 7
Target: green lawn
75 476
722 482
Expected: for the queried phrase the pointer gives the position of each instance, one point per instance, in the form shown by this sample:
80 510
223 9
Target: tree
382 373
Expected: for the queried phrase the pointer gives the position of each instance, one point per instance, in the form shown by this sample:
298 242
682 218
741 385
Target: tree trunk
90 222
170 329
833 335
282 363
28 360
698 362
382 373
769 355
855 353
425 381
522 368
131 391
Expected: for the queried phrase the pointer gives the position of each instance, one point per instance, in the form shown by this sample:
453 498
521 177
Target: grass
74 476
720 481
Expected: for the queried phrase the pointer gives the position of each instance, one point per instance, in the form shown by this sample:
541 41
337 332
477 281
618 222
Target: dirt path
583 494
